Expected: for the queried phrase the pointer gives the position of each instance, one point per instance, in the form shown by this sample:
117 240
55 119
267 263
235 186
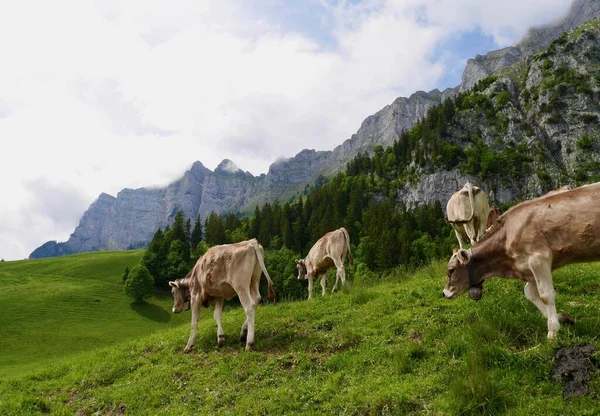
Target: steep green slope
396 347
54 308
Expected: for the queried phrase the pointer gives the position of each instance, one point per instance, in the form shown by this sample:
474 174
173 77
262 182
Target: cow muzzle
447 294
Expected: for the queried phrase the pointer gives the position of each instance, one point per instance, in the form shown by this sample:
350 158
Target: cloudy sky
96 96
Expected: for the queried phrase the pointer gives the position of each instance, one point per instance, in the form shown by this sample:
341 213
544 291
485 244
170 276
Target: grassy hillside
54 308
396 347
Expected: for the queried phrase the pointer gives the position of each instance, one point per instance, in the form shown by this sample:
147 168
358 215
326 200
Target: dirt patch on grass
574 366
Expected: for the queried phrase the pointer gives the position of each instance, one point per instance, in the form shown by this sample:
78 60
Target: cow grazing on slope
329 251
222 273
467 211
530 241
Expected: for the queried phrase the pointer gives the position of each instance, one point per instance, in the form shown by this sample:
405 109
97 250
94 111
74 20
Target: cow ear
454 251
174 284
297 261
463 256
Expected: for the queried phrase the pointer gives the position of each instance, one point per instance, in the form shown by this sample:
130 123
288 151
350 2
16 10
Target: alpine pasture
72 343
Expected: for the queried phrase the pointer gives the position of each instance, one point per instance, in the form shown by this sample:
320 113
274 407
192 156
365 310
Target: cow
467 211
222 273
528 242
329 251
493 216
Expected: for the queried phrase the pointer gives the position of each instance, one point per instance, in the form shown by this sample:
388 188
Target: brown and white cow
528 242
467 211
329 251
222 273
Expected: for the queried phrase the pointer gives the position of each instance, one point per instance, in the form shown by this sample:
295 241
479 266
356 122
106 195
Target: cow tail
260 256
471 200
347 237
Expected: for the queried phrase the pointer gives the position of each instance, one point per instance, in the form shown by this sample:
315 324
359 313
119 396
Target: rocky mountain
530 128
130 218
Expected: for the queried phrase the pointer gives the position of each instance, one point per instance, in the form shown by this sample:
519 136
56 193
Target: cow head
461 276
181 295
301 265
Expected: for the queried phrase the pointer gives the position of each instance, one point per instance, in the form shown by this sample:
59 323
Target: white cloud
98 96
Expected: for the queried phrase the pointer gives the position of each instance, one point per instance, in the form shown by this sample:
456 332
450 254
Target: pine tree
214 230
196 235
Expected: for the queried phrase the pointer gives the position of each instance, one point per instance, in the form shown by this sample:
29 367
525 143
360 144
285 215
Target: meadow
56 307
390 346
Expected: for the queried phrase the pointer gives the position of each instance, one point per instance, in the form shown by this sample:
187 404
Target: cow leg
532 295
217 315
471 232
244 333
195 312
340 274
459 236
542 273
323 283
310 287
250 309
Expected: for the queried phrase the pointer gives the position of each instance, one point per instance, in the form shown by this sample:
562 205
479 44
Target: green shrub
502 99
589 118
554 119
585 142
139 284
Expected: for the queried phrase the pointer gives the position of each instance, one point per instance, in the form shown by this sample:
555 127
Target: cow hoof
221 341
565 319
188 348
250 346
551 335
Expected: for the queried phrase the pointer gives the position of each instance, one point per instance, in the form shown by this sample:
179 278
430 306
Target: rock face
539 38
130 219
483 66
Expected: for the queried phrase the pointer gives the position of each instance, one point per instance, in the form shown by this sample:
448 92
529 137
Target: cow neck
474 281
308 268
185 285
488 259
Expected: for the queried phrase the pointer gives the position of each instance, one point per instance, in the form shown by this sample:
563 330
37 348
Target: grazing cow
222 273
530 241
467 211
329 251
493 216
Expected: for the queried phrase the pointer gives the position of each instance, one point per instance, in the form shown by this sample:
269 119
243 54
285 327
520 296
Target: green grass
395 347
54 308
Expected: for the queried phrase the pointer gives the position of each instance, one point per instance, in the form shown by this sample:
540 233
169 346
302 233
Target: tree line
384 232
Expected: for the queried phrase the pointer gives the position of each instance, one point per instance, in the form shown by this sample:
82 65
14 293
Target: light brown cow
530 241
222 273
329 251
467 211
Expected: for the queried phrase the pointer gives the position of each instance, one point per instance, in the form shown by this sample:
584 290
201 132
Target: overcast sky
96 96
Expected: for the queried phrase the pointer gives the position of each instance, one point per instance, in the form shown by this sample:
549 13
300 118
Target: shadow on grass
151 311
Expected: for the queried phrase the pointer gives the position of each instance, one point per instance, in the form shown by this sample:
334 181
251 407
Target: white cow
467 211
222 273
329 251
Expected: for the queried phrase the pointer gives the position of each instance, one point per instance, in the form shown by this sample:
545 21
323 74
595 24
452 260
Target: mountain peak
227 167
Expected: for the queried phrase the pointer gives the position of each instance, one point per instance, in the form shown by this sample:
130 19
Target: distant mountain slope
130 219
